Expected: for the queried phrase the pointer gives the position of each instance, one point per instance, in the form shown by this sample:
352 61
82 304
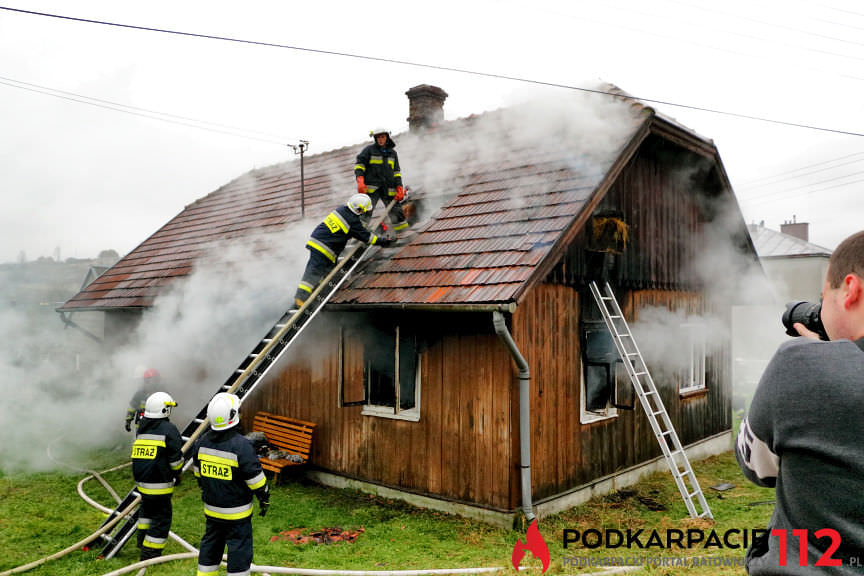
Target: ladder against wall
656 412
249 374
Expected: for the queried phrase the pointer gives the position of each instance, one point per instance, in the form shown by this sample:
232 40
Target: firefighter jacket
332 234
379 168
157 457
228 472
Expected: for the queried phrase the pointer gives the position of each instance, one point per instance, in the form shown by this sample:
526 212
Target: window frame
620 373
394 412
693 379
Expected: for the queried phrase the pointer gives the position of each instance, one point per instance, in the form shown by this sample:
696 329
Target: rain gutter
524 412
509 307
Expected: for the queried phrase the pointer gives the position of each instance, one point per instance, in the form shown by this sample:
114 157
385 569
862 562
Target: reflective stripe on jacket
156 456
332 234
228 471
379 168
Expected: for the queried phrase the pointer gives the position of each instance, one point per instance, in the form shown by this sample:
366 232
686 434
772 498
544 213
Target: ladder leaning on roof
249 374
673 452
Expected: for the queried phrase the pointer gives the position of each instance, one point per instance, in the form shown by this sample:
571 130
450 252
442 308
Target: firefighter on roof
229 473
157 462
329 239
378 174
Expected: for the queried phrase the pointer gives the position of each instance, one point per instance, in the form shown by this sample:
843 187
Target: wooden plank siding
465 446
566 453
462 447
665 209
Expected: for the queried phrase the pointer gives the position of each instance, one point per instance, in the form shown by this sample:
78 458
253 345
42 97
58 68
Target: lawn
42 513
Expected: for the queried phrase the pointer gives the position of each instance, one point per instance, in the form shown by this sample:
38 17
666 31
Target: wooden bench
287 434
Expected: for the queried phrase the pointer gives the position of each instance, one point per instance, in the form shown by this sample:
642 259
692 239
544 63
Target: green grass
42 513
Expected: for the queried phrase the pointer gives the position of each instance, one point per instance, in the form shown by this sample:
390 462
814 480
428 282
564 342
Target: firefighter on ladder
157 462
329 239
378 174
229 473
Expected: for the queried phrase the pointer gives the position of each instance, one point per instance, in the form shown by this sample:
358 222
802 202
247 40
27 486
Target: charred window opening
379 368
385 356
601 362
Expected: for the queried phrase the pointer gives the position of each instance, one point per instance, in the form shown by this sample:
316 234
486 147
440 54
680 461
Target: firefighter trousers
397 217
237 536
317 268
154 524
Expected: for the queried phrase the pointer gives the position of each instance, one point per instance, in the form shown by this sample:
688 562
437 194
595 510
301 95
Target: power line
772 24
758 199
734 33
806 193
435 67
788 175
143 112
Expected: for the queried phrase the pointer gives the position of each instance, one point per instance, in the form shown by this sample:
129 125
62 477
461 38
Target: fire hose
193 552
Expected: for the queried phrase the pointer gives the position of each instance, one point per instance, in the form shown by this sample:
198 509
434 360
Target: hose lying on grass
193 552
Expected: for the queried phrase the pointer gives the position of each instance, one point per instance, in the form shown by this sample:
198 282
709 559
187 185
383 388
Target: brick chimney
800 230
425 106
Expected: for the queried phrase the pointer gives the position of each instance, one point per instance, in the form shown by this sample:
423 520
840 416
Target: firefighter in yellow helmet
378 174
229 474
157 462
329 239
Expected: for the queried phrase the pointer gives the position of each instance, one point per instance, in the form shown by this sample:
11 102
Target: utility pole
300 149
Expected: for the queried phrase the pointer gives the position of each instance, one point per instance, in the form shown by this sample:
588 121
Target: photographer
803 434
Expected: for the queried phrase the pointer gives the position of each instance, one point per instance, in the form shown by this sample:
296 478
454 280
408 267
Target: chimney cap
426 89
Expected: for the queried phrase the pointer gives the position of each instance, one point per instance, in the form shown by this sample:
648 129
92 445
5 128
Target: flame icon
535 543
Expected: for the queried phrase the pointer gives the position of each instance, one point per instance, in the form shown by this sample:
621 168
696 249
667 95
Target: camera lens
808 314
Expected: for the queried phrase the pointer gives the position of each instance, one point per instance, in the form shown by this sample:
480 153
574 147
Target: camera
808 314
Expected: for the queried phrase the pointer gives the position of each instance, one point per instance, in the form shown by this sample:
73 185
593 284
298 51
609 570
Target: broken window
603 373
390 374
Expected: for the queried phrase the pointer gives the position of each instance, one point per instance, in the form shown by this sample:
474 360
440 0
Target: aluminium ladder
249 374
661 424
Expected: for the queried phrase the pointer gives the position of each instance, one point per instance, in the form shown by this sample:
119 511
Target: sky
109 131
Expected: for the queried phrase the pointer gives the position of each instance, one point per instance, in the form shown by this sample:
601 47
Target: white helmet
223 411
377 131
158 405
359 204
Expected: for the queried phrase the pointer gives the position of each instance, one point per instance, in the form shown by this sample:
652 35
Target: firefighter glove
263 500
128 425
400 194
361 184
177 478
383 241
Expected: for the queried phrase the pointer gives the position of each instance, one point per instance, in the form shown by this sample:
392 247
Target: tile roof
772 244
501 189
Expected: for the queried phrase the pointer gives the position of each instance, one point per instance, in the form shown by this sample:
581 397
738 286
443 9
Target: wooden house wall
666 195
566 453
461 449
465 446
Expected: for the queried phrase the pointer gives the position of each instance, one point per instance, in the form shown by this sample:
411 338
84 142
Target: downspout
524 412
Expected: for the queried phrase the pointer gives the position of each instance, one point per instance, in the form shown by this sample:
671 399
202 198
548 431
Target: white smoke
535 126
194 335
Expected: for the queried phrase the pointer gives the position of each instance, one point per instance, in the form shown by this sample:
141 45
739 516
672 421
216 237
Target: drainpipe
524 412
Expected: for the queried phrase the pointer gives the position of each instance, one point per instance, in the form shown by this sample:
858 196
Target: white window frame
394 412
693 377
611 411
